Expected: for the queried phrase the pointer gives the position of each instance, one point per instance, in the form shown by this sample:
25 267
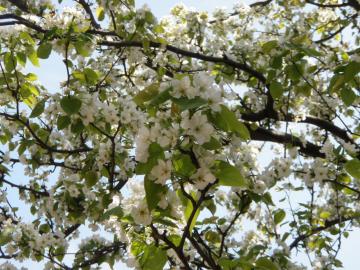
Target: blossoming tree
198 141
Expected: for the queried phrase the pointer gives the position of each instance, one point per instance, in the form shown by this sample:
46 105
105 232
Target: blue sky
52 71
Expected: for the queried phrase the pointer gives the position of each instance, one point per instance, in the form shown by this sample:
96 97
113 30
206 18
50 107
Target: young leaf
100 13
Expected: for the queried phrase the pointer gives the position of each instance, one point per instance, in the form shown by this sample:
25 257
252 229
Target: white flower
321 173
202 178
142 144
198 127
182 88
161 172
7 266
259 187
73 191
140 214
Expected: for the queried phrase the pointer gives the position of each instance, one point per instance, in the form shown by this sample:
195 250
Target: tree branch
328 224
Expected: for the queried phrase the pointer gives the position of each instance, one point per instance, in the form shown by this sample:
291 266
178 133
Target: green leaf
27 90
276 89
147 94
265 264
325 214
189 209
63 121
228 264
161 98
183 165
44 50
336 82
212 237
353 168
153 258
187 104
38 109
61 253
21 58
31 77
213 144
32 55
44 228
229 175
268 46
77 126
91 77
351 70
5 236
153 193
226 120
116 211
91 178
347 96
10 62
26 37
70 104
82 48
279 216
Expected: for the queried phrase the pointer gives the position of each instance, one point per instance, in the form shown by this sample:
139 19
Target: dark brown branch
178 250
20 20
87 9
22 187
21 4
327 5
321 123
40 141
328 224
253 5
207 58
98 254
262 134
71 229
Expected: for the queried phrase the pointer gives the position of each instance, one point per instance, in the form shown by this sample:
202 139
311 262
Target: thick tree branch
262 134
